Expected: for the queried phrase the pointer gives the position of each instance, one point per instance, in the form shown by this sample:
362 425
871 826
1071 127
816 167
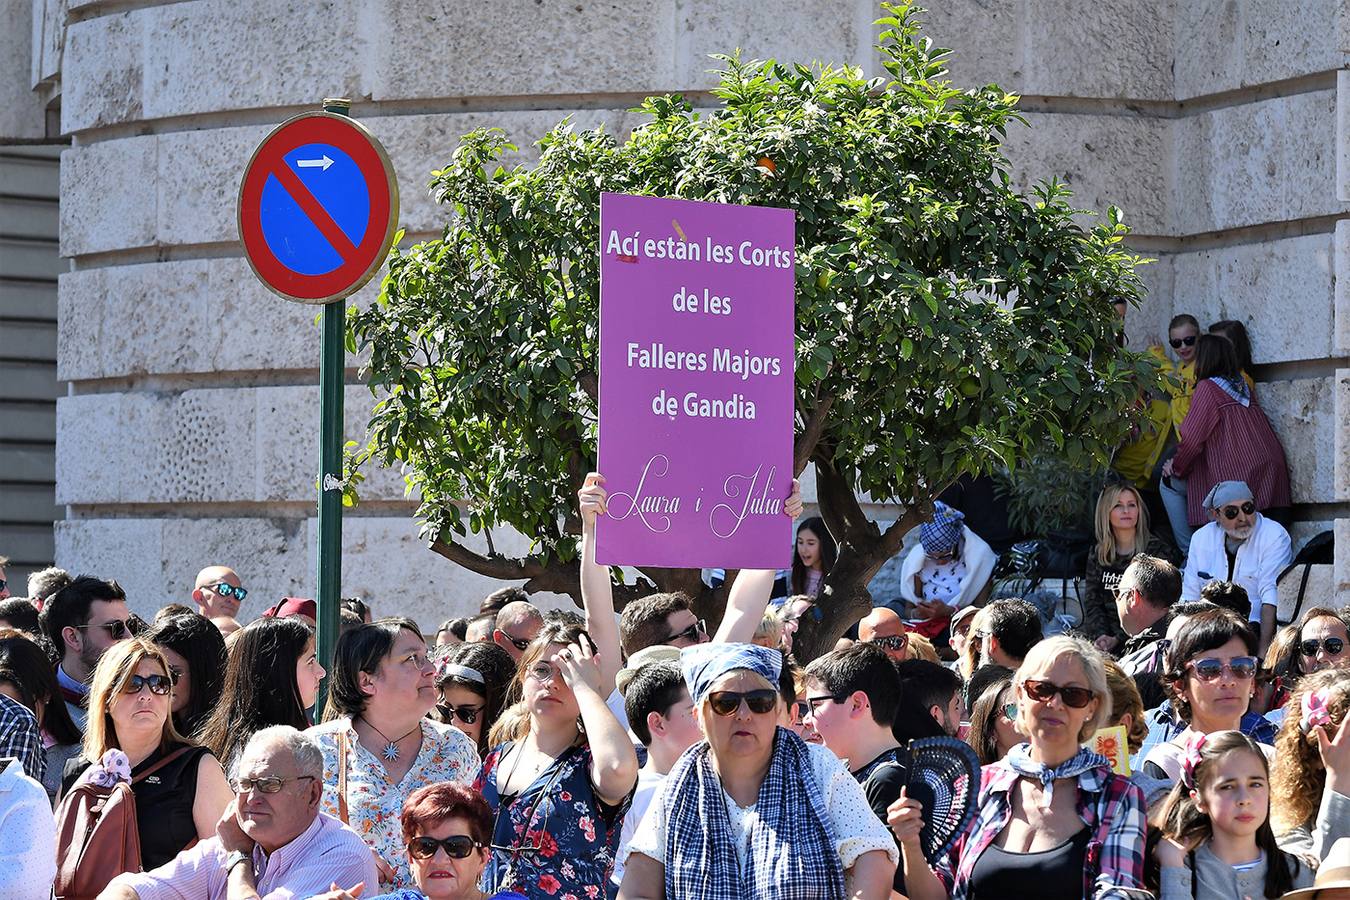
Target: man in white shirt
662 716
27 835
1242 546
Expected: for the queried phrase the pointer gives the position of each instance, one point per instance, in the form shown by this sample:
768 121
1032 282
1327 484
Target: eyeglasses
891 642
228 590
728 703
543 671
158 684
1231 512
265 784
457 846
466 714
1333 646
521 644
117 630
1178 342
1209 669
802 708
1009 711
812 701
1044 691
698 630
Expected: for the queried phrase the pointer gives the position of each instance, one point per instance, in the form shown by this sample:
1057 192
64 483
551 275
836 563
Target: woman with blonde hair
1122 533
130 731
1310 777
1053 819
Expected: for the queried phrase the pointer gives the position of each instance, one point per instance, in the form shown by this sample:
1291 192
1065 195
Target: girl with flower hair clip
1214 835
1310 779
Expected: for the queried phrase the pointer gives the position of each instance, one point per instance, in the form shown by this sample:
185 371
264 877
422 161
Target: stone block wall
187 435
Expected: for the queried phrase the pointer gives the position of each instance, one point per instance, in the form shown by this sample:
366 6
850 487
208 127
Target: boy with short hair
852 696
661 715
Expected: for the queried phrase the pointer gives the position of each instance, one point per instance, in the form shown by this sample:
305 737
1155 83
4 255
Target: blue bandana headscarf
941 533
703 664
1226 492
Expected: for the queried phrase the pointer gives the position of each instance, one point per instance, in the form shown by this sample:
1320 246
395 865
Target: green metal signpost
318 208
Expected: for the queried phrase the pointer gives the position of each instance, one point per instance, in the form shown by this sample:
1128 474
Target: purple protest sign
696 383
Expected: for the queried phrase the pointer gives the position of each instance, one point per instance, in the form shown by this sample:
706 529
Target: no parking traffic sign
318 208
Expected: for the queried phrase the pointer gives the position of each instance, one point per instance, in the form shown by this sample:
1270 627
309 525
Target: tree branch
806 442
590 384
839 507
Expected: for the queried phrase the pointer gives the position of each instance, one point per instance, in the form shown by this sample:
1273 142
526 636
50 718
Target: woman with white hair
753 811
1053 820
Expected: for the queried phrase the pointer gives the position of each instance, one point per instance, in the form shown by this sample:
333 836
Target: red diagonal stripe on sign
314 209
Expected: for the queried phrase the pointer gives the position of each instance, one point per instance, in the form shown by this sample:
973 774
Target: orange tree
946 323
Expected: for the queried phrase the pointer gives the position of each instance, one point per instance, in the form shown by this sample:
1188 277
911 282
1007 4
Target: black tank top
163 803
1057 872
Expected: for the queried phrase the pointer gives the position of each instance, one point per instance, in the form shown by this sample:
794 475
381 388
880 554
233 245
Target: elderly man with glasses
1242 546
272 842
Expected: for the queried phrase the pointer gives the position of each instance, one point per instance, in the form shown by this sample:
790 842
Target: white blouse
857 830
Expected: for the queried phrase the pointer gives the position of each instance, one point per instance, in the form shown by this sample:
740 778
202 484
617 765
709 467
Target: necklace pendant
390 752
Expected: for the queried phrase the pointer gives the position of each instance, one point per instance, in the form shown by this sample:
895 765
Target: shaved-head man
517 624
218 592
883 627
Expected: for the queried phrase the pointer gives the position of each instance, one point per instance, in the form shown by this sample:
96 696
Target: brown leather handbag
96 838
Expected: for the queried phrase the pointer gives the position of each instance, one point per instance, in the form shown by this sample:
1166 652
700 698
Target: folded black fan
944 775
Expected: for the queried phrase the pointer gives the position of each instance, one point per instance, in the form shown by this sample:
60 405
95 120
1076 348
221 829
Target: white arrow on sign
315 163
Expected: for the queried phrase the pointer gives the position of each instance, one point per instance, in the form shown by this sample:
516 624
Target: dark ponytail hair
195 638
260 688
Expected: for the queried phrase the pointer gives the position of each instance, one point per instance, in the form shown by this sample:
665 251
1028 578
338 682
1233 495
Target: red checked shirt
1108 804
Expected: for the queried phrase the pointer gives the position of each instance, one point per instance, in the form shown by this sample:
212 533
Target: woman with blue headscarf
948 570
753 811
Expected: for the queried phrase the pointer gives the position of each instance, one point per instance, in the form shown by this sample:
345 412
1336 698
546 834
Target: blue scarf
792 855
1235 389
1085 760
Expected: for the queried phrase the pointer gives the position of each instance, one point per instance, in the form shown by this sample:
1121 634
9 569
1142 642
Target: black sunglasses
116 630
726 703
1178 342
227 590
1231 512
158 684
520 644
466 714
890 641
1333 646
692 633
457 846
1044 691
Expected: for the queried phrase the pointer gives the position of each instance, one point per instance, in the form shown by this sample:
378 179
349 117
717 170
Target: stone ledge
1266 161
384 561
1283 290
218 446
1302 413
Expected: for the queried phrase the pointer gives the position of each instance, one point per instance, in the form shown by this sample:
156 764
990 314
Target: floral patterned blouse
566 837
374 803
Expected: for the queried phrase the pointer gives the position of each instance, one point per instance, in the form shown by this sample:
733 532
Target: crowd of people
553 755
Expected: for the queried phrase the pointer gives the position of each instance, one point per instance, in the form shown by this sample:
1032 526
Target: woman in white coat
949 569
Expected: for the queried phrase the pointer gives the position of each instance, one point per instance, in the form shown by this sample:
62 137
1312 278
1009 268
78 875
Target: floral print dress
374 803
556 840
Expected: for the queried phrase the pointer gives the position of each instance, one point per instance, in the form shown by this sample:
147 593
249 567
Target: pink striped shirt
325 852
1222 440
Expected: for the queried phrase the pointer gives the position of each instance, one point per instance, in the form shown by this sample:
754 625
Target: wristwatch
235 858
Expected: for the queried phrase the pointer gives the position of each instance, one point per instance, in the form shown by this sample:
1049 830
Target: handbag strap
162 763
342 775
